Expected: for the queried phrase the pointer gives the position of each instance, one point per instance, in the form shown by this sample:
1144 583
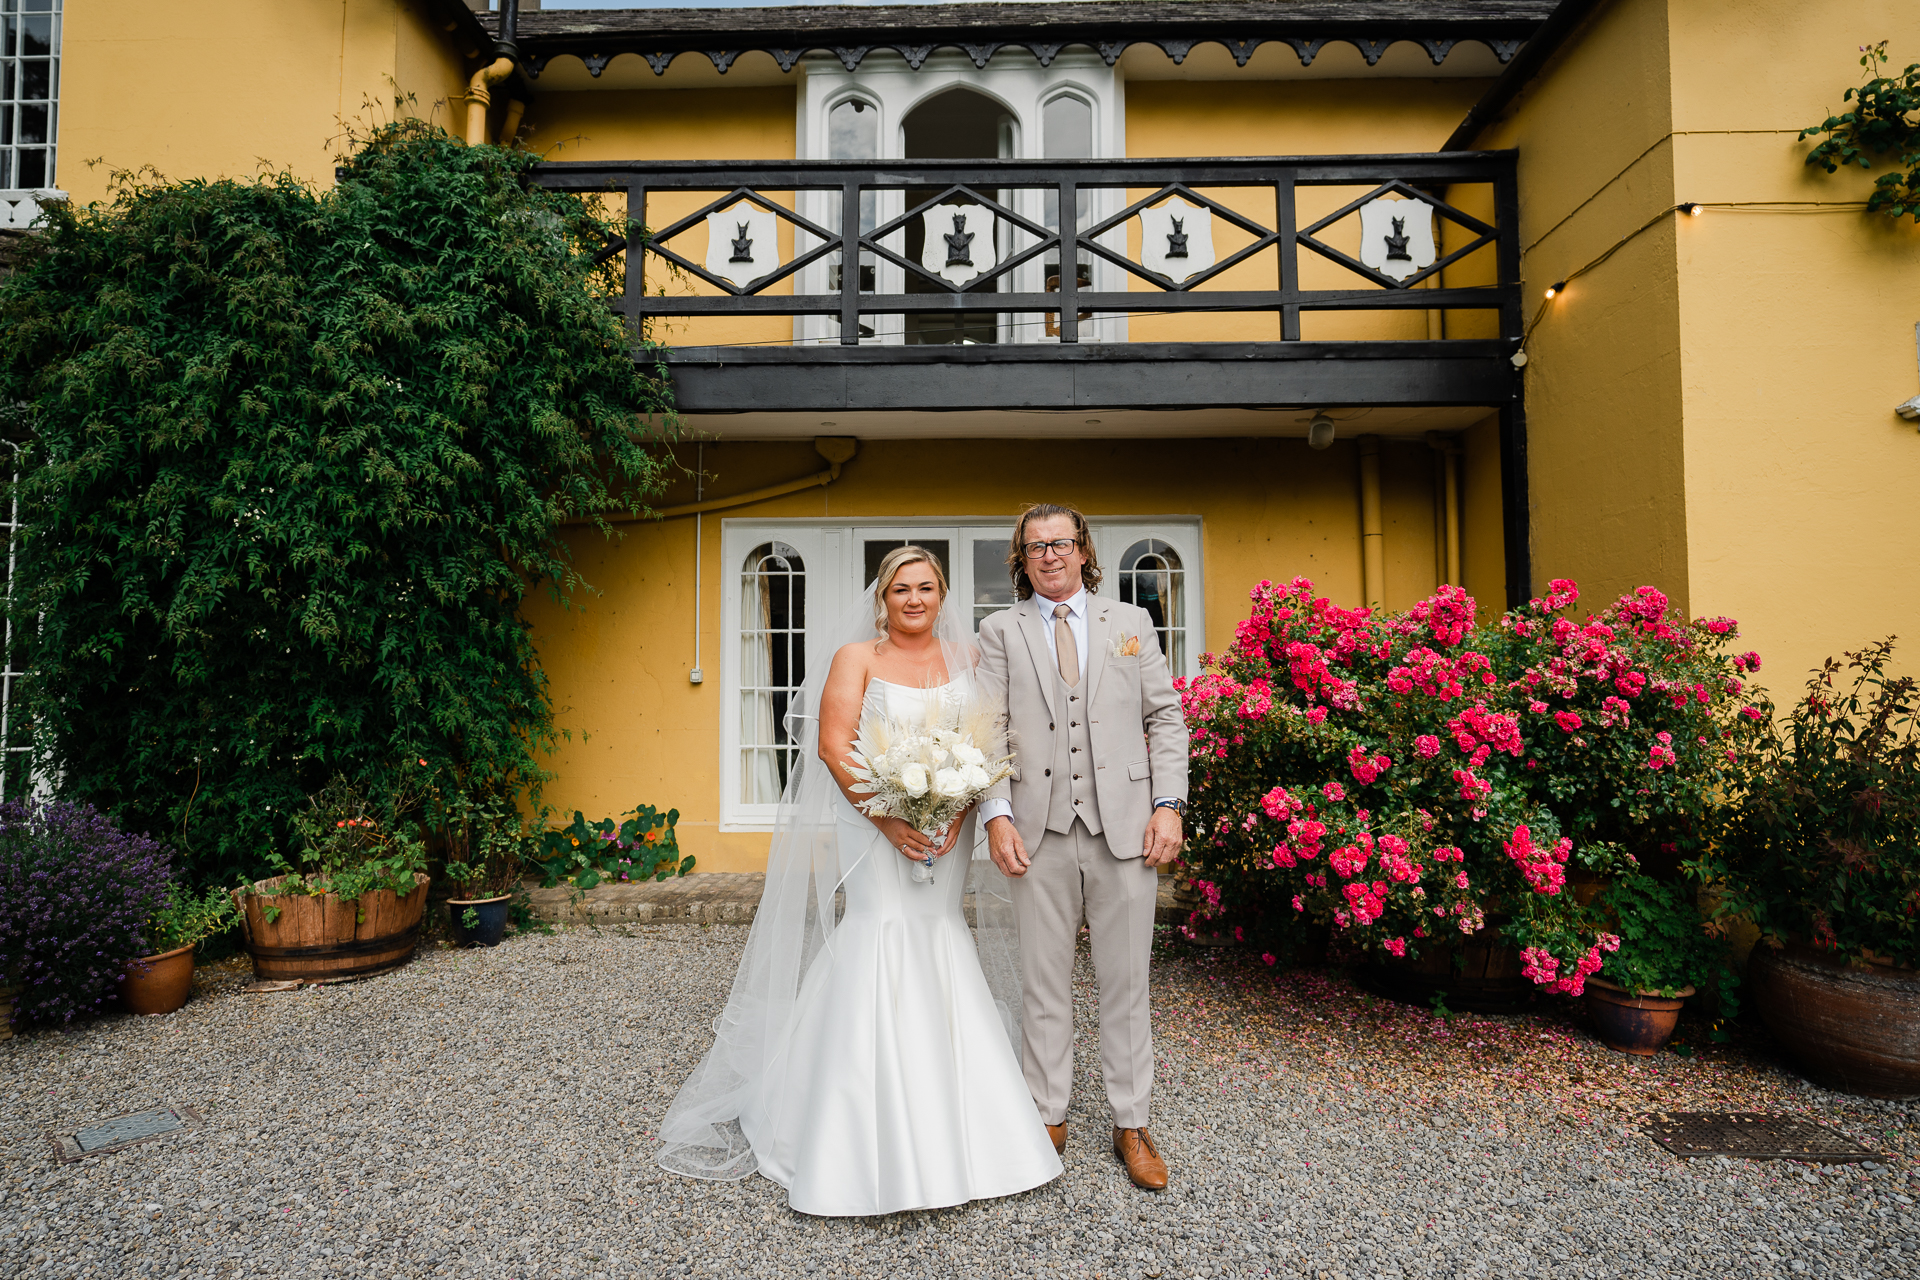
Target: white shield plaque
743 243
1176 239
1396 236
959 242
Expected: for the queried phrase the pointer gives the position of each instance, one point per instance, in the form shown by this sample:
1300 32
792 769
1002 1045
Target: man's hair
1017 559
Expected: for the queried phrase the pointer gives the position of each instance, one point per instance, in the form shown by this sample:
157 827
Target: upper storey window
29 91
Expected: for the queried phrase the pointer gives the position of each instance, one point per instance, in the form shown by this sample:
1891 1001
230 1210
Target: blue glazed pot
492 924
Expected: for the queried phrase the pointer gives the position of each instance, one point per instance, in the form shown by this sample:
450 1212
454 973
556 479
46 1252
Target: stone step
716 897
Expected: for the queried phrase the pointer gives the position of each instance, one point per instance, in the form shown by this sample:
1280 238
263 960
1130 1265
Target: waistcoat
1073 793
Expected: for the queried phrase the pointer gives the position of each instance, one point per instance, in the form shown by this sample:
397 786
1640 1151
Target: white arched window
853 133
1152 576
773 662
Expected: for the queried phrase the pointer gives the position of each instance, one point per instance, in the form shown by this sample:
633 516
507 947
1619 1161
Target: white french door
788 583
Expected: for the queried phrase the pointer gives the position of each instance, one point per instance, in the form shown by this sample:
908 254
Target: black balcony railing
1019 281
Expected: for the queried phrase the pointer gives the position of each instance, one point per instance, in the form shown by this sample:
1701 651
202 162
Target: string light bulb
1693 208
1320 431
1555 289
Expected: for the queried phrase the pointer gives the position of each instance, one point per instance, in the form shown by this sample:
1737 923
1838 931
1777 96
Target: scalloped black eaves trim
981 30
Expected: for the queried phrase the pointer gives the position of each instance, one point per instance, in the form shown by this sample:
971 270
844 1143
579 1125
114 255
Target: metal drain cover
1751 1135
123 1131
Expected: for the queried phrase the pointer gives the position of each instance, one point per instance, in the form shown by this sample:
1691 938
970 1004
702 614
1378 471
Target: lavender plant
75 895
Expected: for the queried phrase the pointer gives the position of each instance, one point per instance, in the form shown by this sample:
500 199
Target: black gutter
1542 45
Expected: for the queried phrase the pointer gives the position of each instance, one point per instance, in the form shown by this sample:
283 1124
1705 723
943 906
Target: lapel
1098 632
1032 626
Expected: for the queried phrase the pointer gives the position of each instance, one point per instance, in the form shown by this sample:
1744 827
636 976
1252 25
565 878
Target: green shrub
294 460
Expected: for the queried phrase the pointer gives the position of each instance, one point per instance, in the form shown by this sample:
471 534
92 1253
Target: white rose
967 753
913 778
949 785
976 777
938 754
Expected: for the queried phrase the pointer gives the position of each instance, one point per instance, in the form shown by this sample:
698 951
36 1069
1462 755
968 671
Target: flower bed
1403 777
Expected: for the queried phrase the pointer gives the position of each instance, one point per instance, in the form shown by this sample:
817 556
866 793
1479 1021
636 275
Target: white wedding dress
896 1087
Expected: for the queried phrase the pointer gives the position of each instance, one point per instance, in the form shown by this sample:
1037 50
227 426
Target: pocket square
1127 647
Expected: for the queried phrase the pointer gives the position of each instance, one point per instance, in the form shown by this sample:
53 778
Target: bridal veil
794 926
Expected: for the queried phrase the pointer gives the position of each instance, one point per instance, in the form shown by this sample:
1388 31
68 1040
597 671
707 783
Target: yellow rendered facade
619 659
1711 409
227 88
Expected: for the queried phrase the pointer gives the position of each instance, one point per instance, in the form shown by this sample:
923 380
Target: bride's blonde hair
896 560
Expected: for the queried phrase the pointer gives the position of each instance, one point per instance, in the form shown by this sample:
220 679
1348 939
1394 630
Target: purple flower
71 882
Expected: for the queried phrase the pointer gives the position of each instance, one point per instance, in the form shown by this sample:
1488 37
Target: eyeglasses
1058 547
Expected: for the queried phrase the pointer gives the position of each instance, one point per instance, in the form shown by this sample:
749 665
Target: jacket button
1074 725
1076 777
1049 726
1076 751
1049 773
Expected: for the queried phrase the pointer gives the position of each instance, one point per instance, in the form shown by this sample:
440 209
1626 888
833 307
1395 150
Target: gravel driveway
490 1114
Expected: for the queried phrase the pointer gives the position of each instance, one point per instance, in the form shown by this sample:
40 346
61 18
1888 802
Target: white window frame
1022 87
832 551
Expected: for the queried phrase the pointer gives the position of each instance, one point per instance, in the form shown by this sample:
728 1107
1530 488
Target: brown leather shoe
1144 1165
1058 1132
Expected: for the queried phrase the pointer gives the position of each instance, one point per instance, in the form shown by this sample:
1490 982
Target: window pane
33 124
1151 577
33 169
992 587
1067 134
877 549
853 131
36 80
36 35
773 662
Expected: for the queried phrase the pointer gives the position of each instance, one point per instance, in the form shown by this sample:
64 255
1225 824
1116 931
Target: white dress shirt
1076 623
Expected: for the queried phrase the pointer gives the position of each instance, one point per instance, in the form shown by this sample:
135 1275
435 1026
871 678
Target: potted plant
484 857
1664 953
75 892
1821 850
160 982
352 904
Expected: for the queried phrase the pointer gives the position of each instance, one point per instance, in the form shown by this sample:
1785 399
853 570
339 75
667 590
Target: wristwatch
1178 806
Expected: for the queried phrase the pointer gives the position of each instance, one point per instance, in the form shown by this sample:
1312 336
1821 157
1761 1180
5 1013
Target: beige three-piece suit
1090 762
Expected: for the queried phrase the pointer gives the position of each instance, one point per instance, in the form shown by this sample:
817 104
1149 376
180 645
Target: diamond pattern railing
1012 197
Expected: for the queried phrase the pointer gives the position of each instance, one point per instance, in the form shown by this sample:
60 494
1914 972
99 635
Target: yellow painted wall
679 124
619 659
1483 554
223 88
1711 409
1182 118
1604 408
1797 339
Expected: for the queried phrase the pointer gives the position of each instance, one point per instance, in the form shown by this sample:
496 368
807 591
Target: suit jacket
1137 733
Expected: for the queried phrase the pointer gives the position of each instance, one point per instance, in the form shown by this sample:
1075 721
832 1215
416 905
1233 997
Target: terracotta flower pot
158 984
1856 1030
1632 1023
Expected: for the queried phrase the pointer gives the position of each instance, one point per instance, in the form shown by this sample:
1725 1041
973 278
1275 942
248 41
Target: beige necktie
1064 648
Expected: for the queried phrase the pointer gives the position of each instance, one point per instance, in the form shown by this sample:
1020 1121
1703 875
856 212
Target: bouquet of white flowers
928 769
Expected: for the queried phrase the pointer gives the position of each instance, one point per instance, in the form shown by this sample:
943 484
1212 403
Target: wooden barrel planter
1479 974
317 938
1856 1030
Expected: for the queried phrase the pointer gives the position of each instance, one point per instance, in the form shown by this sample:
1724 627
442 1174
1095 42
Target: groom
1095 808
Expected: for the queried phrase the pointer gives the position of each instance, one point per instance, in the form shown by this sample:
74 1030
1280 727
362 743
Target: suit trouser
1072 875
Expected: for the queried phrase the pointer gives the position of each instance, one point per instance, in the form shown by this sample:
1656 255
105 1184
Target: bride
868 1056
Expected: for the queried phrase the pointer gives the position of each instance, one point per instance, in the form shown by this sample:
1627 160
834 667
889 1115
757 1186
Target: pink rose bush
1405 778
